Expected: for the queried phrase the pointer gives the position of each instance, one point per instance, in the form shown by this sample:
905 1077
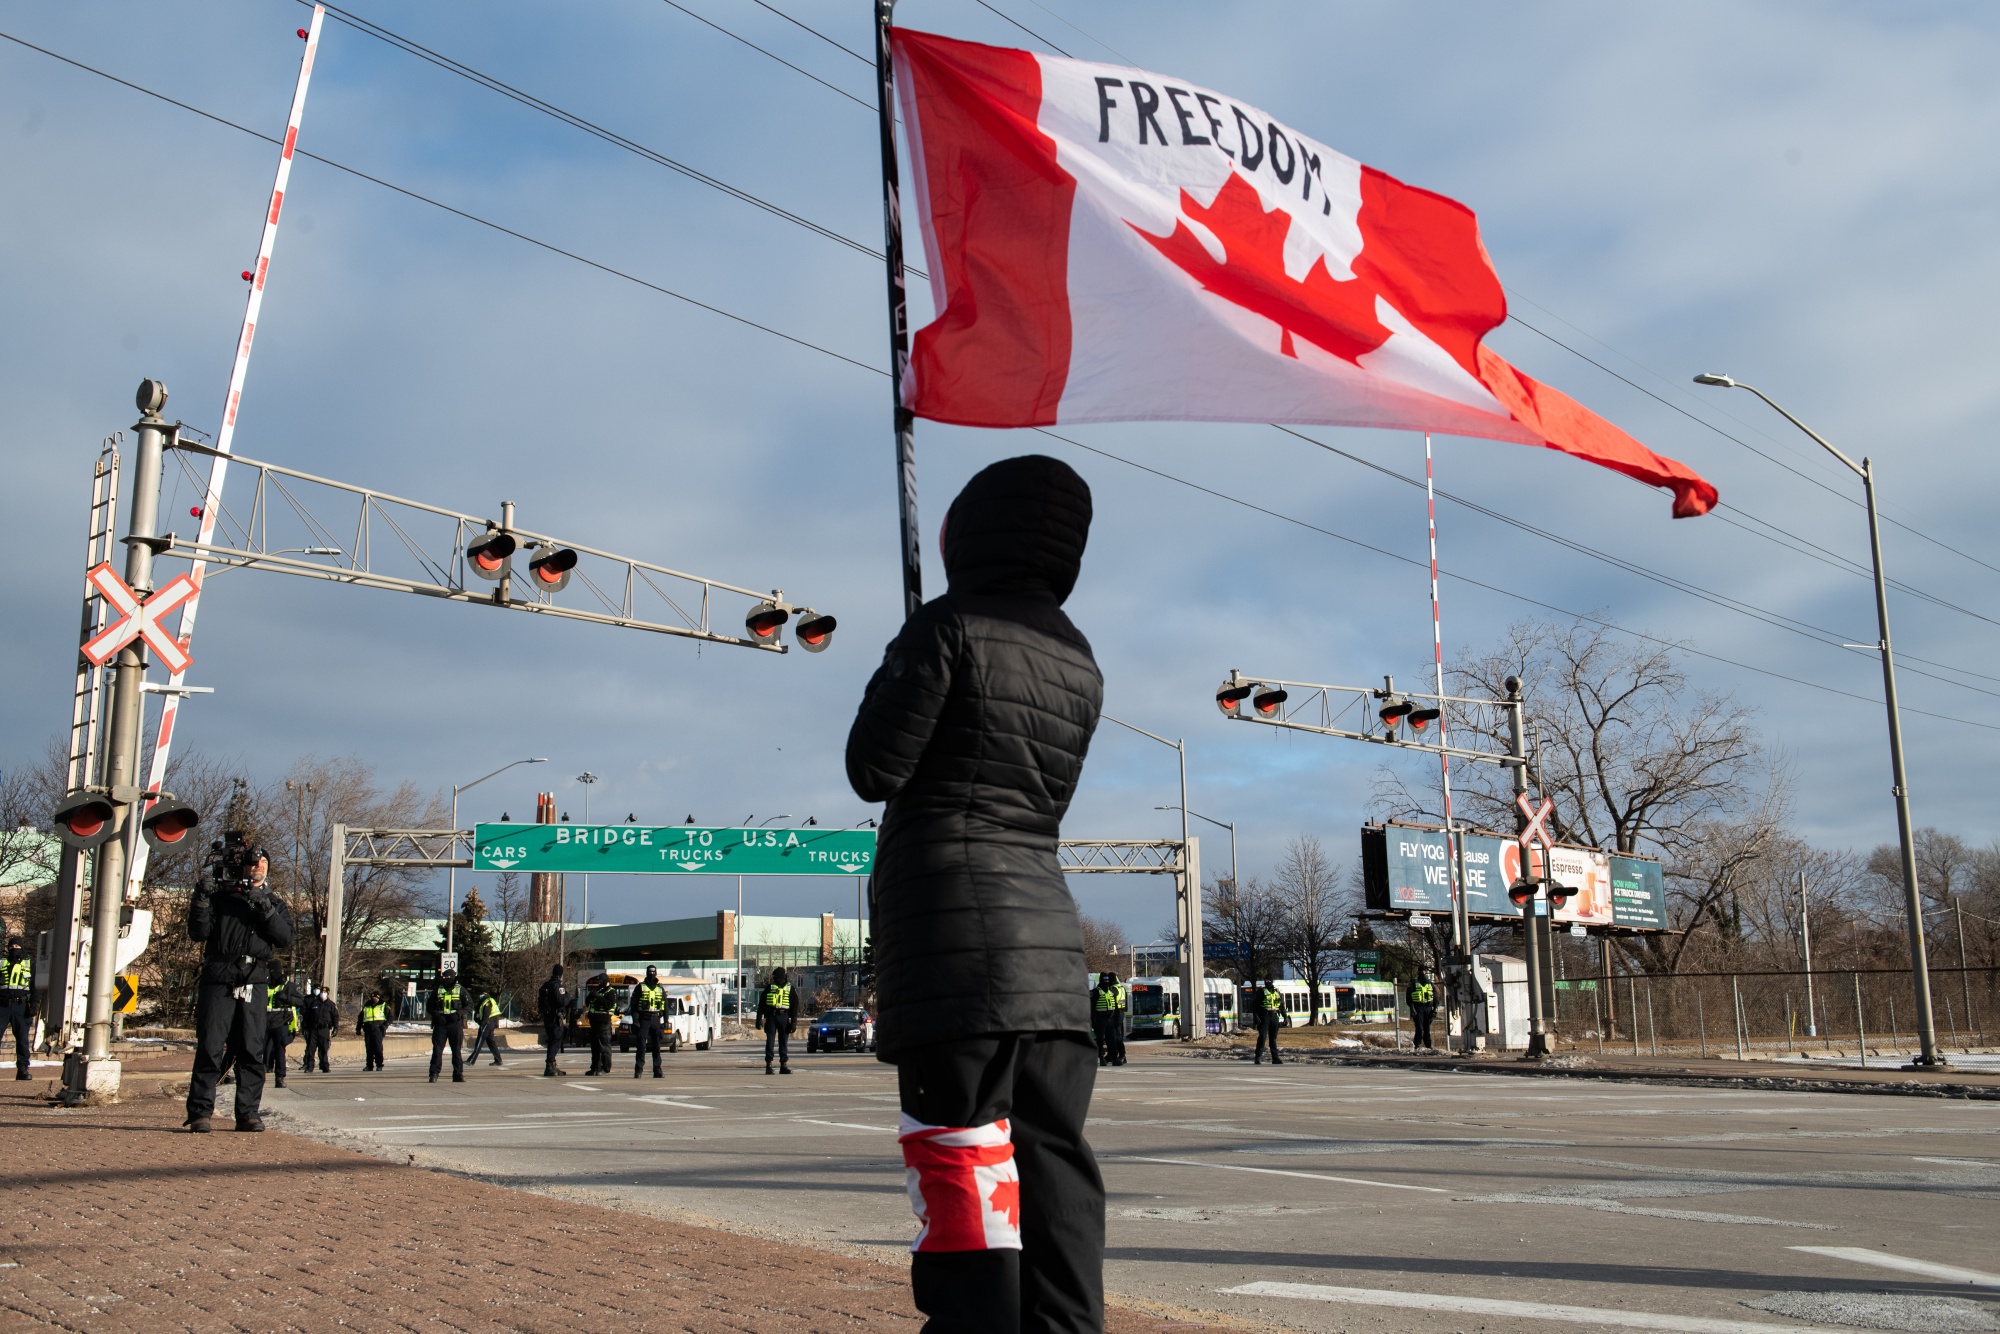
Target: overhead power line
770 54
815 347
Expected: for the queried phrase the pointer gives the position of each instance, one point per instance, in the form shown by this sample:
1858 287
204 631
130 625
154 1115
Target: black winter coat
974 731
241 929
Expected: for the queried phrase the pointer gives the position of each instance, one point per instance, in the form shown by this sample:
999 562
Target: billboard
1406 868
1638 892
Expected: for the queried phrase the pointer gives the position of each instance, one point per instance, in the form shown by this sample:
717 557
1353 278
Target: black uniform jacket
974 731
241 930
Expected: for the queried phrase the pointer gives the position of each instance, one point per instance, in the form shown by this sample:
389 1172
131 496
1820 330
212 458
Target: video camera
231 860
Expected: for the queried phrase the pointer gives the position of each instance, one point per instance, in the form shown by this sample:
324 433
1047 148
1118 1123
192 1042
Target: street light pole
1913 908
1805 943
589 780
451 876
1234 883
1194 996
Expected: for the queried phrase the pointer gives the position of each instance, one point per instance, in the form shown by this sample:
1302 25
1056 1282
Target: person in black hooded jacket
974 731
240 924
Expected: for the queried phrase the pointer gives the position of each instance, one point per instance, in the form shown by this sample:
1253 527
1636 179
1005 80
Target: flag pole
899 323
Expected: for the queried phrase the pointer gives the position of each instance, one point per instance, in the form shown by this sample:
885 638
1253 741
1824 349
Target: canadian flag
1106 244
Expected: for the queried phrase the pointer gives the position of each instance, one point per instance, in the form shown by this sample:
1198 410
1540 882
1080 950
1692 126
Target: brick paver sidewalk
112 1219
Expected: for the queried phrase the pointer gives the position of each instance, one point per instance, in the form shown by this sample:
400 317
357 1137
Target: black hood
1018 529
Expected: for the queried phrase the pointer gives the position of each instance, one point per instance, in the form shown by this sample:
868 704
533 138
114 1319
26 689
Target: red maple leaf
1006 1199
1338 316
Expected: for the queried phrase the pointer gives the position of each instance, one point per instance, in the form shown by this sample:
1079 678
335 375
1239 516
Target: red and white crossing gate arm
218 469
1537 830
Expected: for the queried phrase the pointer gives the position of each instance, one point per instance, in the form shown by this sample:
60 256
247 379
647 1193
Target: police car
842 1030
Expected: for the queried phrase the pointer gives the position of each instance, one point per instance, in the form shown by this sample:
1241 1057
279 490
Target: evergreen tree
477 967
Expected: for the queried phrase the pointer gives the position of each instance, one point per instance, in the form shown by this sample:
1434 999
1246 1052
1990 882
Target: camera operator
234 912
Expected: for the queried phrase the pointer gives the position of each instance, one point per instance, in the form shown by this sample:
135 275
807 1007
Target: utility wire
762 52
838 46
1778 620
457 212
372 29
801 342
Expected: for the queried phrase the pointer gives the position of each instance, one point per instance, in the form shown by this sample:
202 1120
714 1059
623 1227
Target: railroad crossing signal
138 619
169 823
86 820
488 556
1536 830
550 570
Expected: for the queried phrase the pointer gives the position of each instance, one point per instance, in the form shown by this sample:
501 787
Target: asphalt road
1306 1196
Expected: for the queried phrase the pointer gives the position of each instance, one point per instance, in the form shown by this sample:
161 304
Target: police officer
649 1013
17 994
1270 1017
487 1015
281 1021
318 1031
777 1015
1107 1018
601 1005
447 1011
371 1024
240 924
1422 995
553 1002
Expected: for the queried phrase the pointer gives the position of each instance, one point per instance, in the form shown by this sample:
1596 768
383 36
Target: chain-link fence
1865 1012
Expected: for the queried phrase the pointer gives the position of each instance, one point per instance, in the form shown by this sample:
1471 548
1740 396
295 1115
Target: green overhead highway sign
633 849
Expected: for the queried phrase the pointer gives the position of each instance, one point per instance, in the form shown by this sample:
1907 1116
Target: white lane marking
545 1116
587 1088
1273 1171
662 1100
421 1116
500 1125
844 1125
1959 1162
1861 1255
1576 1315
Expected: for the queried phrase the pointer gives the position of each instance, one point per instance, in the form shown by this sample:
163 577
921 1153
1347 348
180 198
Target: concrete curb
1908 1088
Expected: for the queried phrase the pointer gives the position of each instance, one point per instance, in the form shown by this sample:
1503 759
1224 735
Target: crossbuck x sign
137 619
1537 830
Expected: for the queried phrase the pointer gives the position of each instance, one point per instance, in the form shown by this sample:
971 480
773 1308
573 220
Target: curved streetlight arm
451 876
1725 382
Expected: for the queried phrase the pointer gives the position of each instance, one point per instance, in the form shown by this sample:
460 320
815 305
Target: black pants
452 1032
371 1037
226 1026
16 1018
318 1040
277 1037
1267 1032
600 1044
1421 1016
1041 1083
1109 1029
552 1044
645 1038
778 1040
488 1037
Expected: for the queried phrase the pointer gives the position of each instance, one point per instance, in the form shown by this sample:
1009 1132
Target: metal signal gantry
297 523
1401 717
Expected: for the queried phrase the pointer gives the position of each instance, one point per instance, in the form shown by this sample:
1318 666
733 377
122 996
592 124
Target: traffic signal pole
95 1072
1538 1024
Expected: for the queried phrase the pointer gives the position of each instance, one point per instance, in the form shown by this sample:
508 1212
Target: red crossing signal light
488 556
1229 696
549 572
765 620
86 820
169 823
814 631
1266 699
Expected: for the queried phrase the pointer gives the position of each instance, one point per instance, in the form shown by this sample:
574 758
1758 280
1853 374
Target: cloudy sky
1803 195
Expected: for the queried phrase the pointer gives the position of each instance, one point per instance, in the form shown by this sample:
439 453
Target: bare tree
1634 759
1251 920
1104 946
1315 910
527 950
298 814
